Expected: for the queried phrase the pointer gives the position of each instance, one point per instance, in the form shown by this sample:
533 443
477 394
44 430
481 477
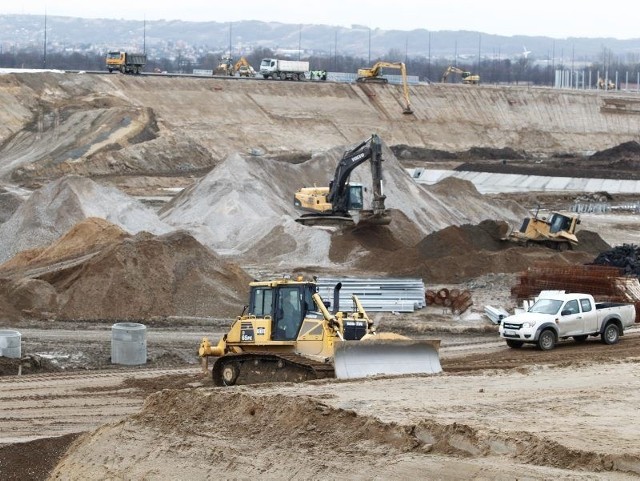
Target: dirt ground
160 224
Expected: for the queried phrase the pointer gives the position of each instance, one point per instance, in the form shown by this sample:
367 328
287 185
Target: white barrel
129 343
10 342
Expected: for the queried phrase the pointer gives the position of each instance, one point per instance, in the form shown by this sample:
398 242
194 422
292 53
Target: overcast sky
551 18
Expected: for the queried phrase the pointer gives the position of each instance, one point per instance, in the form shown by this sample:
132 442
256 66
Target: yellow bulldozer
467 77
557 231
287 333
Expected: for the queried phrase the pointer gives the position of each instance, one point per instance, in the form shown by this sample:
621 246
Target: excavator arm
370 149
373 75
332 205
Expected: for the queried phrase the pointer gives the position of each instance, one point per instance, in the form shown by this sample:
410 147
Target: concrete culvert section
129 343
10 344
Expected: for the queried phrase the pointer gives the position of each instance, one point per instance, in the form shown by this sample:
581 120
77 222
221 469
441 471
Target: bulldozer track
261 367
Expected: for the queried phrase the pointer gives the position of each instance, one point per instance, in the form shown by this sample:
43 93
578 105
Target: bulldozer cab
559 223
285 305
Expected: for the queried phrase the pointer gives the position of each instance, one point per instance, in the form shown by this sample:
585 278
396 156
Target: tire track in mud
42 405
564 354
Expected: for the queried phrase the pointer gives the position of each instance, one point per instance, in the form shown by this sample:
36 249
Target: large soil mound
97 271
244 207
55 208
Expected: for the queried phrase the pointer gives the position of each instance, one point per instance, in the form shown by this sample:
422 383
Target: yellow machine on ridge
467 77
287 333
374 75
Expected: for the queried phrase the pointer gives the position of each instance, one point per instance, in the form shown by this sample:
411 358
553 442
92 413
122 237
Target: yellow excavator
374 75
557 231
341 201
287 333
243 68
467 77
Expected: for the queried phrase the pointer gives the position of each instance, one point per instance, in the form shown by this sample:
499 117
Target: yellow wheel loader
287 333
342 203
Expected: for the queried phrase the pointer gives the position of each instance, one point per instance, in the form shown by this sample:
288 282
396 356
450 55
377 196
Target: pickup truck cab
556 315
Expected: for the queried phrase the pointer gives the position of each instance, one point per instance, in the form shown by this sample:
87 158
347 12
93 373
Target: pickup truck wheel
514 344
611 334
581 338
547 340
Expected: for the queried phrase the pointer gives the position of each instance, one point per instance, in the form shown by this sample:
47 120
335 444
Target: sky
549 18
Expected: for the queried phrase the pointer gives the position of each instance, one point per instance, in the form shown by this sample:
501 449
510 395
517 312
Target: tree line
493 71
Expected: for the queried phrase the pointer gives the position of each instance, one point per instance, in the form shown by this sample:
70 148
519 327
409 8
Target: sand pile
97 271
403 431
57 207
10 200
244 207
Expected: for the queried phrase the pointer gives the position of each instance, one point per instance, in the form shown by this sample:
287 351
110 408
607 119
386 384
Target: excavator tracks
262 367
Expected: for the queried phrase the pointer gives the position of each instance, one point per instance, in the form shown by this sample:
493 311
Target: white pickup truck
556 315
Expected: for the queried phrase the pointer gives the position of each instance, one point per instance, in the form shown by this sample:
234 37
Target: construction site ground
493 413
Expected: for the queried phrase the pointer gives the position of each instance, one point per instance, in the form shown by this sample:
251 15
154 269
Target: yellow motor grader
287 333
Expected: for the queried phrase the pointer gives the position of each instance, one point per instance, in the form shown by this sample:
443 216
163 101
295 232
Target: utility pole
406 50
44 58
299 41
230 45
335 52
429 63
369 61
144 34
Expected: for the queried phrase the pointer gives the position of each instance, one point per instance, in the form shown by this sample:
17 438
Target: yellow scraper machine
287 333
342 202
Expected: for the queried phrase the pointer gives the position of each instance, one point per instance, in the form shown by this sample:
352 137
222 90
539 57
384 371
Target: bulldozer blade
358 359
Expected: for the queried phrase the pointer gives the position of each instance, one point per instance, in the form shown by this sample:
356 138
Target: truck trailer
283 69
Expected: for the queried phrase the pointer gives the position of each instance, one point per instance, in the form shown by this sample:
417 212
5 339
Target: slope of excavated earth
55 208
244 207
440 427
97 271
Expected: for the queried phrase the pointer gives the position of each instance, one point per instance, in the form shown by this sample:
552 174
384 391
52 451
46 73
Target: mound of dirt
55 208
123 276
151 276
626 150
244 208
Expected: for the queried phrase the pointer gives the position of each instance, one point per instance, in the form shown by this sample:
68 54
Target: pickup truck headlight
528 324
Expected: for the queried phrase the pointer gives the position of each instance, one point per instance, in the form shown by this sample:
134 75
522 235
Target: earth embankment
55 124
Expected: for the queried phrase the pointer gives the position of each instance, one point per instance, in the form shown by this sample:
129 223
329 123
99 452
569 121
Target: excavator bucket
372 357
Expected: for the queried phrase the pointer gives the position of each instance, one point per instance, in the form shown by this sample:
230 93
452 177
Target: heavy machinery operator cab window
355 197
288 314
559 223
261 302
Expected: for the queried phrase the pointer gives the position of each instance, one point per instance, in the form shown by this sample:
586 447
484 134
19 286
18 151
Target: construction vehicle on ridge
374 75
287 333
243 68
338 203
225 66
558 231
129 63
467 77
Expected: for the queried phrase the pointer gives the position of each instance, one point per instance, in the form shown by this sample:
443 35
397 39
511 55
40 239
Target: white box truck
283 69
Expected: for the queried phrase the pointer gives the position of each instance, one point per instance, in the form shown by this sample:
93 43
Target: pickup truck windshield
546 306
